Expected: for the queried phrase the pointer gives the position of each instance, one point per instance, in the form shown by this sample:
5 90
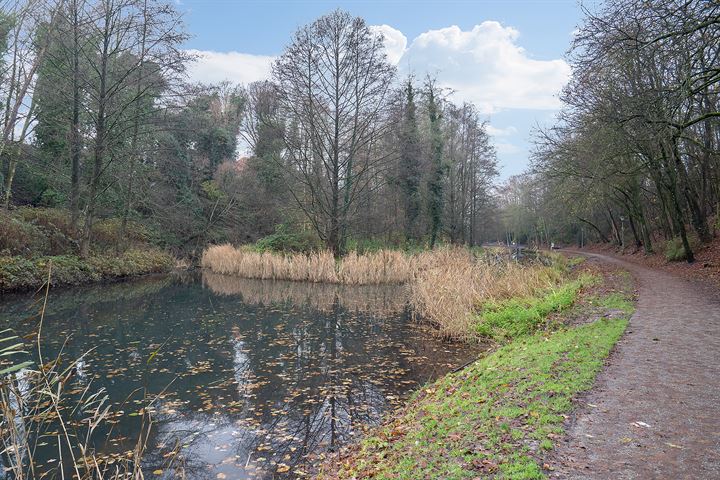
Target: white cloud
213 67
500 132
394 40
486 66
504 148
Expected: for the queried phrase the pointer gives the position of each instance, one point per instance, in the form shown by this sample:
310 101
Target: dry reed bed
376 268
446 285
449 292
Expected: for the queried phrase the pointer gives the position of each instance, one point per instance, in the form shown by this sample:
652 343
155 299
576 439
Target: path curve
654 412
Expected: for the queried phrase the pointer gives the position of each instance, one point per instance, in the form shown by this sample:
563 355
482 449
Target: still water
250 379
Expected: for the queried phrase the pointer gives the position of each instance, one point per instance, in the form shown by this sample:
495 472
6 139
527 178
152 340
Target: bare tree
26 50
333 82
133 56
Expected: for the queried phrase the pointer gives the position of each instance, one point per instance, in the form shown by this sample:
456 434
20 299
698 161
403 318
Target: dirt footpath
655 410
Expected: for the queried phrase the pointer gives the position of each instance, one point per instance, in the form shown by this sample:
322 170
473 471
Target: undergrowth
20 273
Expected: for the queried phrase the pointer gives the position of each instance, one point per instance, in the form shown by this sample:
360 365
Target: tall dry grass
449 290
375 268
447 285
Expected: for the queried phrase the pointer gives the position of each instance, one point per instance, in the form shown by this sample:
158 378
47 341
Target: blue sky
504 56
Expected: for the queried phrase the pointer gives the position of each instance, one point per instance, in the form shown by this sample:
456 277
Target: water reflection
253 378
389 299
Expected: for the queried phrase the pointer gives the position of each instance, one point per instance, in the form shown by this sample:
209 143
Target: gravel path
655 410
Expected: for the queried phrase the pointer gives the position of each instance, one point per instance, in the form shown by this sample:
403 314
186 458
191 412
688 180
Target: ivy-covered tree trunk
435 186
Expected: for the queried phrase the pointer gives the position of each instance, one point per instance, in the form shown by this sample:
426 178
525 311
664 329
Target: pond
250 379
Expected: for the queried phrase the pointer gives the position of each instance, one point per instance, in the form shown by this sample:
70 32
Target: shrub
52 198
55 226
674 250
132 262
286 241
19 273
47 218
107 232
20 238
67 270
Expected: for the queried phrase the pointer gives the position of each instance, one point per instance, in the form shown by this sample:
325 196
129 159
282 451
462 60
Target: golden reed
385 266
447 285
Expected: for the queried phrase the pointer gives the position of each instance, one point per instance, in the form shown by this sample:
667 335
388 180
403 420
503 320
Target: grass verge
493 418
499 417
520 316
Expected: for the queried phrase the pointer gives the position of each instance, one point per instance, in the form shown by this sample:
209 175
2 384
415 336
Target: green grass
614 301
520 316
497 417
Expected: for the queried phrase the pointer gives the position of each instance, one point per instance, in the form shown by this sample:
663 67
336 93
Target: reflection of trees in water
254 378
383 299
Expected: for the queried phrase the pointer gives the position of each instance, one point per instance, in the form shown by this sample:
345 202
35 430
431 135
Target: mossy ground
500 416
20 273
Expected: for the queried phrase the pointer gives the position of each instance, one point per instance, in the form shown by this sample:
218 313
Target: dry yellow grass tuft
448 291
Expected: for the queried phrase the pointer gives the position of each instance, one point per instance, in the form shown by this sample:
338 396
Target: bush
674 250
106 232
133 262
18 273
47 219
285 241
54 224
66 270
20 238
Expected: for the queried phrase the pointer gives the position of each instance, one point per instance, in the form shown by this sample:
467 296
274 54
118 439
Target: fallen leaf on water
157 472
